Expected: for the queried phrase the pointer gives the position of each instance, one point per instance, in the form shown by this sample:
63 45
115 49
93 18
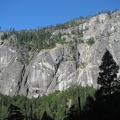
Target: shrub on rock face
91 41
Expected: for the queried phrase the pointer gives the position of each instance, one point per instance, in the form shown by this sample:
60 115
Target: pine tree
108 75
73 114
46 116
14 113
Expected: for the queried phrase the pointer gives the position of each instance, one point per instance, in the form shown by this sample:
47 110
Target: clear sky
30 14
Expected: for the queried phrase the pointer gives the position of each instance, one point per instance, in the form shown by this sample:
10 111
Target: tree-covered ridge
30 41
105 103
56 105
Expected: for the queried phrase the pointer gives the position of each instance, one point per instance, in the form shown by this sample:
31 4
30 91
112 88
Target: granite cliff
74 62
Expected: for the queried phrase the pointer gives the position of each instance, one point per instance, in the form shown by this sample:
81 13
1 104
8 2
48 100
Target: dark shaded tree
14 113
73 114
46 116
108 75
105 105
35 116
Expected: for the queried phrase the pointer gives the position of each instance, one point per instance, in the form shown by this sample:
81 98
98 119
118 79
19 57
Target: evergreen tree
14 113
72 114
46 116
108 75
35 116
109 14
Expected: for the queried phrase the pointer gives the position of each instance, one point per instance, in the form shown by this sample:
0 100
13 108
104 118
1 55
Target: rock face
64 65
10 70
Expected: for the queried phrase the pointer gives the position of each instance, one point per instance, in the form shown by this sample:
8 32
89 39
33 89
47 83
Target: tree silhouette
73 114
106 103
108 75
46 116
14 113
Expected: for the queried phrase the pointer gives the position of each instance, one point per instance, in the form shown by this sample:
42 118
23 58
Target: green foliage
109 14
91 41
27 60
33 40
30 41
81 41
106 103
46 117
53 106
80 33
14 113
71 23
4 36
108 74
82 65
73 114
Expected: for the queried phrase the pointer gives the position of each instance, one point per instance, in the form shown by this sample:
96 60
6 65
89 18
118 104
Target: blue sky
30 14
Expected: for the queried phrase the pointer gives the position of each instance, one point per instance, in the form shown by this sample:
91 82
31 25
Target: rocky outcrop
65 65
11 70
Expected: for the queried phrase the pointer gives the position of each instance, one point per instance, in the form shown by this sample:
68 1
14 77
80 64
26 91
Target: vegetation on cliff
72 104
